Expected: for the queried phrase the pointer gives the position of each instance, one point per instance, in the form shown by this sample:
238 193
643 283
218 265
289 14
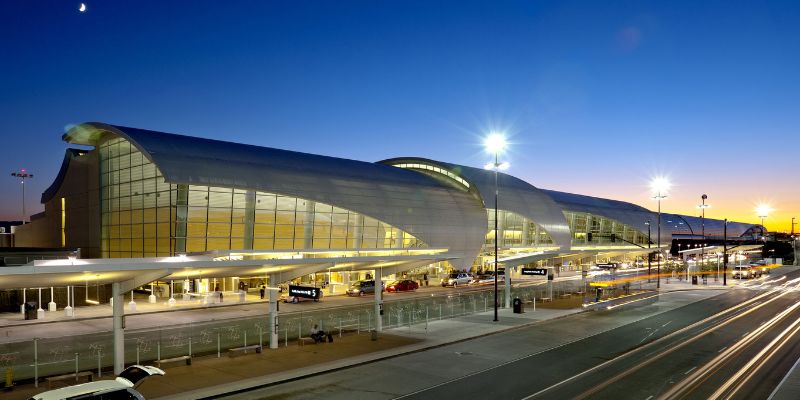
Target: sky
596 97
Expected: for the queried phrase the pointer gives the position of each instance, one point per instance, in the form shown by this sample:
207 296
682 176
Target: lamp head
763 210
495 143
660 185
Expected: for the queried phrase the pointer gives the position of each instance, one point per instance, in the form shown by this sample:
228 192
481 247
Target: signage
304 292
608 265
534 271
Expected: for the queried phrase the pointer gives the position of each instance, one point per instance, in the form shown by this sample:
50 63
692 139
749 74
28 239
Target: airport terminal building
141 194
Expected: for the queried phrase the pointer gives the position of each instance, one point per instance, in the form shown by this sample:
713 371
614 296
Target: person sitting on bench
317 334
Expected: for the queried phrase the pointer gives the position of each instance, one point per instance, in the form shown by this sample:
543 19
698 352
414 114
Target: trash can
30 310
517 306
694 280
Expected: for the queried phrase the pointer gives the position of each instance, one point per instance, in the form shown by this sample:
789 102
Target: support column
525 233
118 327
378 301
68 311
51 306
24 300
273 316
152 298
40 311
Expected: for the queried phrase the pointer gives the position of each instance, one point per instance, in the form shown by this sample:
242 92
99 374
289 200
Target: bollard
286 337
99 364
218 346
260 337
245 338
426 319
9 378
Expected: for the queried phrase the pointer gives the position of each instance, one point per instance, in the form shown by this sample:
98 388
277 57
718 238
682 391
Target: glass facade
516 231
143 216
580 224
434 169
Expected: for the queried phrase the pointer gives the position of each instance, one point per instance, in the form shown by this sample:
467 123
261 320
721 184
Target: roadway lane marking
722 349
692 369
650 397
745 334
666 324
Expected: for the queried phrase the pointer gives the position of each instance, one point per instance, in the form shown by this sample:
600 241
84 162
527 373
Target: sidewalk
210 376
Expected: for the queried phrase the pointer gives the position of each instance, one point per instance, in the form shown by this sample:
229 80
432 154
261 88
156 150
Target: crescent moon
82 8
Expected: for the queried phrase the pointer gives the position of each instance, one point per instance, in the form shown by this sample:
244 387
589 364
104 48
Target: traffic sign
304 292
534 271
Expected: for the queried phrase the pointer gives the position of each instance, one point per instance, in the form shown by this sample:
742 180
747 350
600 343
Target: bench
76 375
351 325
187 359
243 350
544 299
303 339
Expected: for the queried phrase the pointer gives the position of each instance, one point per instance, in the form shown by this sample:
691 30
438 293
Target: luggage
330 338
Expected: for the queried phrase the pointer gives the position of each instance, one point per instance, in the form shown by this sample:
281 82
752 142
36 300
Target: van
122 387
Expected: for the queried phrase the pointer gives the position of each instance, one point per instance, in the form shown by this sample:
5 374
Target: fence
43 357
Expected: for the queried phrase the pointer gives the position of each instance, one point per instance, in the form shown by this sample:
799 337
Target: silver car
456 278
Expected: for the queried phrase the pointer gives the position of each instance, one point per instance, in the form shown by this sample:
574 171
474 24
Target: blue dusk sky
597 97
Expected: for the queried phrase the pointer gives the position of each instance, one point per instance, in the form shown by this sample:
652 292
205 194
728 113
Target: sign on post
608 265
304 292
534 271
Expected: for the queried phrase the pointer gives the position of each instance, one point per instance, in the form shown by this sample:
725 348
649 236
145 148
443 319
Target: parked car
362 288
482 279
745 272
456 278
404 285
122 387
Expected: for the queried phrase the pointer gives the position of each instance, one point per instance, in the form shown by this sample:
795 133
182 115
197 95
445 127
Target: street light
495 143
22 174
703 207
659 186
649 253
763 212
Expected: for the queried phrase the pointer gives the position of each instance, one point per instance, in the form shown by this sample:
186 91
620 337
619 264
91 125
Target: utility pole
794 242
23 174
725 253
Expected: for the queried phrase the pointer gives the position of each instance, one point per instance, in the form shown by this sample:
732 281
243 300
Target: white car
122 387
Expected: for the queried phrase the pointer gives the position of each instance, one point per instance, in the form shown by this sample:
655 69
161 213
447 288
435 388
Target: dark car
362 288
404 285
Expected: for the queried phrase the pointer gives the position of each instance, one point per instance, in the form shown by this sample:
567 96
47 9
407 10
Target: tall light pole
22 174
763 212
495 143
794 243
703 207
649 254
659 186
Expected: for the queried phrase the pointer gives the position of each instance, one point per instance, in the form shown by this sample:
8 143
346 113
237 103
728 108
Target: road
738 344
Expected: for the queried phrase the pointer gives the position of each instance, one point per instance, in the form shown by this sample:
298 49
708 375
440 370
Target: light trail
681 389
754 301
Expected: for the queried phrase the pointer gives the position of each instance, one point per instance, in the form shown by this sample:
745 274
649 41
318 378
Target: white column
24 300
68 311
40 311
152 297
273 317
132 304
119 332
51 306
378 301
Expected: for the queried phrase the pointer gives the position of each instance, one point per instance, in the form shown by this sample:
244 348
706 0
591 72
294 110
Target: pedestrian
261 290
425 278
216 289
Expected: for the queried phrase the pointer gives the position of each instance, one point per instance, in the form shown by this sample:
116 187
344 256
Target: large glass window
603 231
515 231
144 216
